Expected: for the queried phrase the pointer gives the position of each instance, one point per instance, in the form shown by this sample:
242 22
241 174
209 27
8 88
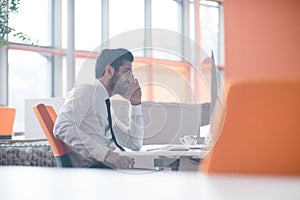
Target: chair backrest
261 130
7 117
46 116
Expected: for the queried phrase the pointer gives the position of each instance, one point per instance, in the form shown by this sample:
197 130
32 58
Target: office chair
46 116
261 130
7 117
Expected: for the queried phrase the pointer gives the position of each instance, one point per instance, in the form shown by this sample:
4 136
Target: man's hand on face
134 92
121 162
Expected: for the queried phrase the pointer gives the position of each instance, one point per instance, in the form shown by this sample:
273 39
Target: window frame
70 53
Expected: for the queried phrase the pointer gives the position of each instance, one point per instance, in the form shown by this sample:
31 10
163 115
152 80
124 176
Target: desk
149 155
36 183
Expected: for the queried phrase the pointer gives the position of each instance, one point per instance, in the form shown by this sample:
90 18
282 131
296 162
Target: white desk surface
164 150
53 183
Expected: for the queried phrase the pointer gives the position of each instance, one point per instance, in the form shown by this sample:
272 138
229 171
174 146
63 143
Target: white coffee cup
188 140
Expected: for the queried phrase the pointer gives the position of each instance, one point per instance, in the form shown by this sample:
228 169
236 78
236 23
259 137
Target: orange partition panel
262 38
261 131
7 117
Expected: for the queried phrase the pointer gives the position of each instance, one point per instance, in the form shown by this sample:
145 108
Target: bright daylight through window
96 22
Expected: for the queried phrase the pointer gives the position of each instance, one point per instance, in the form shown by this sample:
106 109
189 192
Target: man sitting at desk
84 123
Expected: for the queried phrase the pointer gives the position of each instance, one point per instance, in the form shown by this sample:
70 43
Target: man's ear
109 71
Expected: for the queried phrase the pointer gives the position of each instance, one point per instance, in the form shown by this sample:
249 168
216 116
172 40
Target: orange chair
7 117
46 116
261 131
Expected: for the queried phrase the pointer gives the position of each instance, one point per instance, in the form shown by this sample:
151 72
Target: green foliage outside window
8 7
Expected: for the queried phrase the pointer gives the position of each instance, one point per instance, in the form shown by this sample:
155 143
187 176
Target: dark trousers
102 165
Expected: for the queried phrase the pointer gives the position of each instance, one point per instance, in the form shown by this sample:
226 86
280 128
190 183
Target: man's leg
103 165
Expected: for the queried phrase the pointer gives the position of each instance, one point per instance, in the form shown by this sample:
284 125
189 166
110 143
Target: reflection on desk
50 183
166 155
167 150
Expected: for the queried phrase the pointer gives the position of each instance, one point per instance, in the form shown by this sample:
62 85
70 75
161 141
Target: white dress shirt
82 124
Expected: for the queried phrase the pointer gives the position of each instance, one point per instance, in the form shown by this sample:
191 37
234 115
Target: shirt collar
101 90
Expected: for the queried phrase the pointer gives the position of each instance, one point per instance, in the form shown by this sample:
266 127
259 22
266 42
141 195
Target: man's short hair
112 57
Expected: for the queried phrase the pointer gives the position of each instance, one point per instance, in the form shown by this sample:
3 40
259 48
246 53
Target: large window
29 77
88 16
210 28
125 16
165 15
164 74
164 82
33 19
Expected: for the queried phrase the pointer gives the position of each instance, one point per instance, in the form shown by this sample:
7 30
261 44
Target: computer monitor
214 83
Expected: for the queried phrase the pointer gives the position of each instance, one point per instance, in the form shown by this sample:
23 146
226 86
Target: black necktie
107 101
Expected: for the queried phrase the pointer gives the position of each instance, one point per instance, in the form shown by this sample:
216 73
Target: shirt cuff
100 153
136 110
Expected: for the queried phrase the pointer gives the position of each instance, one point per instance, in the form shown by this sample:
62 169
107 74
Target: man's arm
132 136
70 118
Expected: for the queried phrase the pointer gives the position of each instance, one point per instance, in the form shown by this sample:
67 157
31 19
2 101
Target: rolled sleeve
136 110
99 152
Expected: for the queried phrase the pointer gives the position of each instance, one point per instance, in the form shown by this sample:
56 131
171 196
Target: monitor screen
214 83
